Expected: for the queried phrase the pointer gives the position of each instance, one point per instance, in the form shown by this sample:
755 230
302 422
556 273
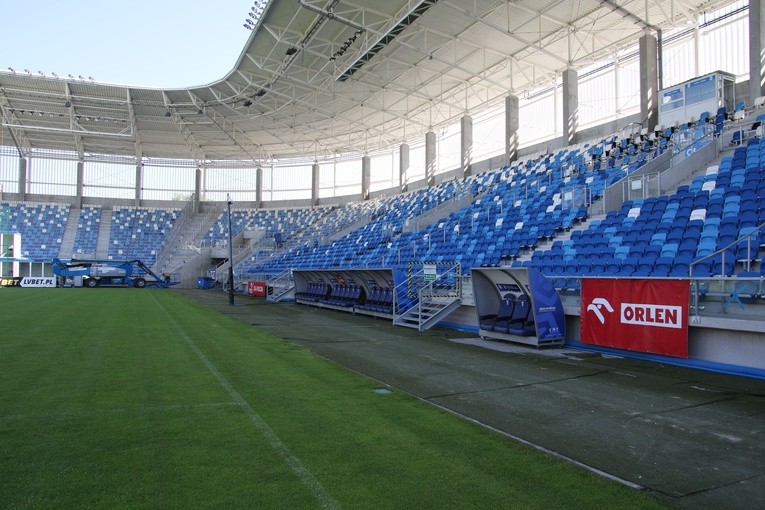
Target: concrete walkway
694 439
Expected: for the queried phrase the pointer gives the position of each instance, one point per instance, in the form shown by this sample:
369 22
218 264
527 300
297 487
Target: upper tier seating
514 209
662 236
279 224
138 232
41 226
86 238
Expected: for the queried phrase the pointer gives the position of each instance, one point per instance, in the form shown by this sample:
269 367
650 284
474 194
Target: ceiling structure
318 78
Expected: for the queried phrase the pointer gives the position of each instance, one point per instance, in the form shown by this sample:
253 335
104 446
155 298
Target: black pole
230 256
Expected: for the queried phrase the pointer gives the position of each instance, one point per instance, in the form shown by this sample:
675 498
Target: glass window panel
108 180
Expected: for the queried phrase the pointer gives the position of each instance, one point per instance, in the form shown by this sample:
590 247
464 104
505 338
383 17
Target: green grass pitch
141 398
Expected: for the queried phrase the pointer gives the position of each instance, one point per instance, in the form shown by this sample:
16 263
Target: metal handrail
277 282
695 303
722 250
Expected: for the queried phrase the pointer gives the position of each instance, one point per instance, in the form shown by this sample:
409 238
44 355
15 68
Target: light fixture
168 114
291 50
256 12
247 103
12 70
68 104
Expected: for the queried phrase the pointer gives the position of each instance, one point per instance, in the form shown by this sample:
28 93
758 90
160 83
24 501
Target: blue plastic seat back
506 307
522 309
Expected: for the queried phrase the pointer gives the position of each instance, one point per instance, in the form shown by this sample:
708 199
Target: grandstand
669 189
432 165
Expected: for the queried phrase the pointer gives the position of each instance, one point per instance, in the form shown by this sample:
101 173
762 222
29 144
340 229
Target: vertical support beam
512 124
570 105
315 183
259 187
466 144
366 176
138 183
430 158
756 49
23 172
197 190
649 81
80 183
403 167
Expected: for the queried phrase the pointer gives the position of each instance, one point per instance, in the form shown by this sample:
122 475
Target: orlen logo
597 305
662 316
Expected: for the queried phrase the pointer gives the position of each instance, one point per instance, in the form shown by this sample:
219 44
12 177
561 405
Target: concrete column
197 190
259 187
23 169
80 183
366 176
649 81
315 184
403 167
138 183
466 144
512 124
431 154
570 105
756 50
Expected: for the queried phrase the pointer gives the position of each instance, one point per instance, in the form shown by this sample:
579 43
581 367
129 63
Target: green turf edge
122 413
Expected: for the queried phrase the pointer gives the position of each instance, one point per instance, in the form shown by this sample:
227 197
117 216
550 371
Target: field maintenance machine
108 273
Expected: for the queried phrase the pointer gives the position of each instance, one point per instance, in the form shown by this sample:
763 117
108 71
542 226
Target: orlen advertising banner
256 288
637 315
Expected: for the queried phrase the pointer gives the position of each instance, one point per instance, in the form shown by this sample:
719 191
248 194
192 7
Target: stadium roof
323 77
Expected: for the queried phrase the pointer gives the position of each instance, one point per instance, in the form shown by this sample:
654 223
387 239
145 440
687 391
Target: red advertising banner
637 315
256 289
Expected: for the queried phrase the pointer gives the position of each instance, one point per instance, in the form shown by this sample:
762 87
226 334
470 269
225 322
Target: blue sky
159 43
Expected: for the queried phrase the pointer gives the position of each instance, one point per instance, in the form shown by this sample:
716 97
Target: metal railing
279 284
698 289
710 297
174 239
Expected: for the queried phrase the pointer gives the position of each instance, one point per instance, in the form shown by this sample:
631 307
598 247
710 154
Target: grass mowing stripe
324 498
116 410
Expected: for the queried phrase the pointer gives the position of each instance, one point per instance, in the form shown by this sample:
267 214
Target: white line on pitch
324 498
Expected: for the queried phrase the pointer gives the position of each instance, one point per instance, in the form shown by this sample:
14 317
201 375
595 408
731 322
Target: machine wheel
91 282
139 283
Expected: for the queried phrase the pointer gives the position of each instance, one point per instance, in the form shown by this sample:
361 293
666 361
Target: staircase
282 287
184 241
66 250
428 312
547 244
439 212
438 295
104 233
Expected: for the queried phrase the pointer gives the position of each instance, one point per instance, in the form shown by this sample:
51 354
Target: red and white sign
637 315
256 289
